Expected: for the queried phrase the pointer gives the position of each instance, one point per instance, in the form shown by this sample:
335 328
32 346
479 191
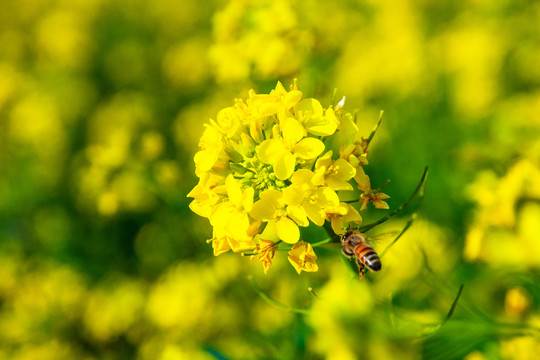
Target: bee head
345 236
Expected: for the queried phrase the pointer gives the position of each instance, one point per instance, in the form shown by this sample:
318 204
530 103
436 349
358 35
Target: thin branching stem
368 141
405 228
383 186
448 315
454 304
312 292
273 301
419 190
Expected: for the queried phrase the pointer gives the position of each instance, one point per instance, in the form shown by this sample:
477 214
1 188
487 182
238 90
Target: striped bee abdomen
368 257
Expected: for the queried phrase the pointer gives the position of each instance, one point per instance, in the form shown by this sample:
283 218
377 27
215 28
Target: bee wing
382 236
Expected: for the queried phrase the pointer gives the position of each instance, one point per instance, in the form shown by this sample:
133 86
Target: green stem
288 248
419 190
312 292
333 96
450 312
328 228
454 304
383 186
375 128
407 226
273 301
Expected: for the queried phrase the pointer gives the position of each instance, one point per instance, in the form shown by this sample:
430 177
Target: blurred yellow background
102 104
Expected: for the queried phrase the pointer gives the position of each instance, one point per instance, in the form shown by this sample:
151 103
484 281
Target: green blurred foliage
102 104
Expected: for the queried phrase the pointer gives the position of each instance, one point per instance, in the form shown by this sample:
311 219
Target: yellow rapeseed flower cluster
273 163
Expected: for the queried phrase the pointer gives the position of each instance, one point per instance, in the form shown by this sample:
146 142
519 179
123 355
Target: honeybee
354 244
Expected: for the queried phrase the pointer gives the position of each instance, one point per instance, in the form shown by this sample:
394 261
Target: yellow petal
248 145
309 148
347 150
234 191
347 126
293 195
325 160
270 150
296 263
292 131
310 106
318 178
354 161
292 98
273 195
220 214
205 159
379 204
269 108
327 198
344 170
220 246
315 213
352 215
256 227
302 257
298 214
247 199
336 184
321 127
302 177
263 210
202 208
279 90
238 245
284 166
287 230
256 132
337 225
362 179
238 226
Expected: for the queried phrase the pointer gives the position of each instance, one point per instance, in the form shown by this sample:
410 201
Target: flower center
260 176
264 178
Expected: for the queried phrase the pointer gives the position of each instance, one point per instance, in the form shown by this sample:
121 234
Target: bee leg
361 269
347 252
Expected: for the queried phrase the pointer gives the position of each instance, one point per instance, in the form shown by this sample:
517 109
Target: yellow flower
343 215
302 257
369 194
212 145
272 206
205 198
230 218
283 152
273 163
267 250
318 200
337 173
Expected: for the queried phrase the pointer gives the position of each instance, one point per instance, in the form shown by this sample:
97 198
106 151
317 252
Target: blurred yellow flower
260 37
302 257
507 218
517 302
